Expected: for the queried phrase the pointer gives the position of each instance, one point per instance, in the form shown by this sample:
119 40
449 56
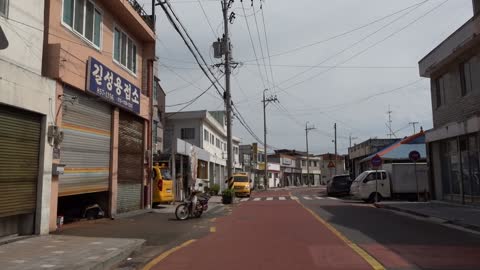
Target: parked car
339 184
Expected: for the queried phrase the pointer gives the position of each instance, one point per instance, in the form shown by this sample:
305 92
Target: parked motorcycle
194 206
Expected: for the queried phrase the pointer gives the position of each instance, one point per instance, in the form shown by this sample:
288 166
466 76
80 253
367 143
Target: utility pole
414 124
265 102
389 125
307 129
228 100
335 128
351 161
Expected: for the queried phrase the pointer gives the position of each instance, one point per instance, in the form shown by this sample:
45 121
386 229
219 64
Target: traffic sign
376 161
331 164
414 156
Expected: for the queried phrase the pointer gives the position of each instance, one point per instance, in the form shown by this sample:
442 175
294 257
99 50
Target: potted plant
227 196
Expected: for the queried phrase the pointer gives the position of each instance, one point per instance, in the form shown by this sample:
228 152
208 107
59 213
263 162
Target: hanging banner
112 87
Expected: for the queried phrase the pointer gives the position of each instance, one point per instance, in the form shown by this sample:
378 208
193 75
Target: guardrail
139 9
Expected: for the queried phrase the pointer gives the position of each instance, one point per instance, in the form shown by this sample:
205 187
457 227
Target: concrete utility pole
307 129
414 124
335 128
265 102
228 97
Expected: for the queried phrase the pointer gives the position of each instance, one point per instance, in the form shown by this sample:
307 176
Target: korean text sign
110 86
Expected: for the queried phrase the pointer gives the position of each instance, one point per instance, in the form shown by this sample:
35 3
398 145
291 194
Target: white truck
395 180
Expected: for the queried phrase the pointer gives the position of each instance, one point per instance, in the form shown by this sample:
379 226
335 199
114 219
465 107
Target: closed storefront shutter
130 162
19 161
86 146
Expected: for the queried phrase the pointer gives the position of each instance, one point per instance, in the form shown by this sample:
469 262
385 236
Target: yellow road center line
376 265
213 229
165 254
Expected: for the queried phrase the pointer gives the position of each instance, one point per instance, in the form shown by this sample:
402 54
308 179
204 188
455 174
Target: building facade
27 102
362 150
101 55
331 165
207 131
453 144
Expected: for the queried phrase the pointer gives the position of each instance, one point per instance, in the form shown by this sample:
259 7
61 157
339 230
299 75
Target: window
84 18
217 143
466 77
440 91
304 163
315 163
212 139
155 132
206 135
3 8
187 133
124 50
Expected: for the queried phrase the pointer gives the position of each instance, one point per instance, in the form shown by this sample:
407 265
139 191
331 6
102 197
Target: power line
344 33
347 48
253 46
371 46
260 43
208 20
268 47
190 102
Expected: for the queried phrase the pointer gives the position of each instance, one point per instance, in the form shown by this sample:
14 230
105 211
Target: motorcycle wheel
198 213
181 212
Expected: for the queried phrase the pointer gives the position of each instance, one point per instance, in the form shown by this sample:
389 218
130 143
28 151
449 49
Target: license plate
169 191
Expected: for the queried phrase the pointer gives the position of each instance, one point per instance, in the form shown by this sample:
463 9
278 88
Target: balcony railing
139 9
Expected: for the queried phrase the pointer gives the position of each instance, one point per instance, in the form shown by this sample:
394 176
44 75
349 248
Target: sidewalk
66 252
467 217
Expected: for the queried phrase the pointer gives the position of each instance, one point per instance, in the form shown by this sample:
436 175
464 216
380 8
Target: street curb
120 256
443 221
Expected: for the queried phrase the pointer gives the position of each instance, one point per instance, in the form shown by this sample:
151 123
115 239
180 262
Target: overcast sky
350 80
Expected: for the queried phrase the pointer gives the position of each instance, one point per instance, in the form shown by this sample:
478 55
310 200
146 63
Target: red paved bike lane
267 235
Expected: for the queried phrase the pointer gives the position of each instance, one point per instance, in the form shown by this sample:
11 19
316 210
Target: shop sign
112 87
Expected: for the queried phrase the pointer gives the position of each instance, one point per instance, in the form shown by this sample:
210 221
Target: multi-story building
207 131
158 119
27 105
252 159
454 142
101 55
290 171
311 173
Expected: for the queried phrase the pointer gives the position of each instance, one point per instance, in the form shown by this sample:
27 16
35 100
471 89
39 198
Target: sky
347 62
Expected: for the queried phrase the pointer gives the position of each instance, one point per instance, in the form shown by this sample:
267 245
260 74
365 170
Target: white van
396 180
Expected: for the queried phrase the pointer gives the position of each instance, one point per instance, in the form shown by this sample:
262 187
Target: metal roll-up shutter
19 157
130 162
85 150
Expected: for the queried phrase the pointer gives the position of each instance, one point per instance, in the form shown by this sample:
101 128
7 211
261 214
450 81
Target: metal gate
86 146
130 163
19 158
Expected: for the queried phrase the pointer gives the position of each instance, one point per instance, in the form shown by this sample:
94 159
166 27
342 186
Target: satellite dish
3 40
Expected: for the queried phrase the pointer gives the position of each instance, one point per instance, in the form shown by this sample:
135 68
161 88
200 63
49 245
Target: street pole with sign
376 162
415 156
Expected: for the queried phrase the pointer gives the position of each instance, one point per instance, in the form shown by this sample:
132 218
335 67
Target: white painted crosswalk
287 198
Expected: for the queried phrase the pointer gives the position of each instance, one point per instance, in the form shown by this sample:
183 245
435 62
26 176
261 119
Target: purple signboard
376 161
112 87
414 156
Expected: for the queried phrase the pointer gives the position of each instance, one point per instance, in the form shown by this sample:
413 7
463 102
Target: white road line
244 199
333 198
257 199
293 198
269 198
281 198
319 198
307 198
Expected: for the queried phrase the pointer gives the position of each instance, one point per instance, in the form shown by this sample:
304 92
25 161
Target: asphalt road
304 229
398 241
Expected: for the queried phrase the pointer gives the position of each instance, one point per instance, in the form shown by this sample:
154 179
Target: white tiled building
206 130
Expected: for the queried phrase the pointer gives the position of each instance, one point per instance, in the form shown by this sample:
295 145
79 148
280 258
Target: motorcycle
194 206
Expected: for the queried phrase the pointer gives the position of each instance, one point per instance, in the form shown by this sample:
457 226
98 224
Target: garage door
86 146
19 158
130 162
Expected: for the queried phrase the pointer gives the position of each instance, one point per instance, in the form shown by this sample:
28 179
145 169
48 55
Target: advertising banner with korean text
112 87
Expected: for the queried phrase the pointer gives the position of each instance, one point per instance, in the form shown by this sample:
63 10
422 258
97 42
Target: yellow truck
241 184
163 184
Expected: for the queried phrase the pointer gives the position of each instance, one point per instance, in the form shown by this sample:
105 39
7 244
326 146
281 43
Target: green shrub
215 189
228 193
